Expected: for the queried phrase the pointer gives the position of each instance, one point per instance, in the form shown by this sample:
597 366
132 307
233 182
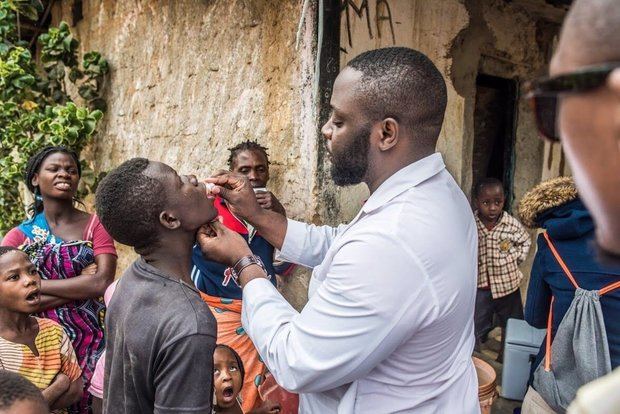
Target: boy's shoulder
163 304
46 324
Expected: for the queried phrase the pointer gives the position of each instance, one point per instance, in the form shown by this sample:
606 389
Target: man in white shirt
389 323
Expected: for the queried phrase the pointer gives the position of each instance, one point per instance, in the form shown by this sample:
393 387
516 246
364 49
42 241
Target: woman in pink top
73 253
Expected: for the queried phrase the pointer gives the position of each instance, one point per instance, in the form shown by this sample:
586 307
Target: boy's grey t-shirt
159 350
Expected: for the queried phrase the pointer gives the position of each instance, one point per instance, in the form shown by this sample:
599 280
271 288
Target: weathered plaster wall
189 79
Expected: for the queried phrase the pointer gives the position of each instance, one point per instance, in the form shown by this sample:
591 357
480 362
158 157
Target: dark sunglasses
543 94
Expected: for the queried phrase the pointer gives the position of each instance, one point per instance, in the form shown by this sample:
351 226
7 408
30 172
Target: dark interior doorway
494 131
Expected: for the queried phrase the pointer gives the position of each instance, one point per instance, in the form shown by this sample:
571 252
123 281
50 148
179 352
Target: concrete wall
189 79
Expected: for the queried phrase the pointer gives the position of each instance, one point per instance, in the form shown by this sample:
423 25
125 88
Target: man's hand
220 244
268 407
237 191
268 201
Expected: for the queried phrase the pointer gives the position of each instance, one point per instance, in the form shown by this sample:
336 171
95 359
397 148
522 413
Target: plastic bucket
487 385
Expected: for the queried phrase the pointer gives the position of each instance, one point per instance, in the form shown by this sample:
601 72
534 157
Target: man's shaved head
591 33
404 84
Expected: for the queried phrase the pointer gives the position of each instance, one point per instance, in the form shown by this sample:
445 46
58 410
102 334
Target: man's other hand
220 244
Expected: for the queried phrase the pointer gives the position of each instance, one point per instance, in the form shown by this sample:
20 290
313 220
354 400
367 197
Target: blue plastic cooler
520 349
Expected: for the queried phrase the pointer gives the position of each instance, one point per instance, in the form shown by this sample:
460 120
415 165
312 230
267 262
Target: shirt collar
404 179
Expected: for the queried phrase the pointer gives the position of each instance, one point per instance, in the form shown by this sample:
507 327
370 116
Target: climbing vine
35 107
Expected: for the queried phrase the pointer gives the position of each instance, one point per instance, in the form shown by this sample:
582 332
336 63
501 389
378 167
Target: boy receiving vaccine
36 348
503 244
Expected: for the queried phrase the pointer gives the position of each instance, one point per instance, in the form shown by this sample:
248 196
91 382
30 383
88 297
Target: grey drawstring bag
579 352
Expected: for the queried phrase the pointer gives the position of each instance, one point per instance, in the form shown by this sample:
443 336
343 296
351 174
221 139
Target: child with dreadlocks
63 241
36 348
214 279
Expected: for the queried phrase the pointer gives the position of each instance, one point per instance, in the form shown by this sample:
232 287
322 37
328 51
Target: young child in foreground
20 396
36 348
503 244
228 376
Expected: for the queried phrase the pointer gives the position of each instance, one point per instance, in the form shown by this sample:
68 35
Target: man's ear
389 134
168 220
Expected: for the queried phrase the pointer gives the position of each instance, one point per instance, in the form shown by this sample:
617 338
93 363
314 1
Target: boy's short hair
128 203
237 357
14 387
246 146
486 182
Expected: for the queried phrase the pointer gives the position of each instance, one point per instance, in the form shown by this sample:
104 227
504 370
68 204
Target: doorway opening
494 132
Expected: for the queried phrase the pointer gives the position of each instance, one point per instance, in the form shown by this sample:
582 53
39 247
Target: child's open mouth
33 297
228 393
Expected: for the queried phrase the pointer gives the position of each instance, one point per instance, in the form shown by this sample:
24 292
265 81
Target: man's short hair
246 146
128 203
14 388
404 84
487 182
592 27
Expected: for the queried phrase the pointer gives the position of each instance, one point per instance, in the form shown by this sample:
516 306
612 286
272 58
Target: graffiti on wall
383 15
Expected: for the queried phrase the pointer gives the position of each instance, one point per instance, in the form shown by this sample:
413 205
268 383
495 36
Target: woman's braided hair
34 166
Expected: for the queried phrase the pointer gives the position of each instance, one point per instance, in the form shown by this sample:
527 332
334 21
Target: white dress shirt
389 322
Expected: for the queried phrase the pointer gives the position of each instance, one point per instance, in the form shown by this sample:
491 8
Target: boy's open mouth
34 296
228 393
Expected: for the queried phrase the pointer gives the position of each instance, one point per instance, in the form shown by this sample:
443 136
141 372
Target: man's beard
349 165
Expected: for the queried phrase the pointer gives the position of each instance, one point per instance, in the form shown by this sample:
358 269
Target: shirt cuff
293 245
256 292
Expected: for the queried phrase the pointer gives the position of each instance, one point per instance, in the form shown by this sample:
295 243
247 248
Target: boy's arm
58 387
522 244
70 396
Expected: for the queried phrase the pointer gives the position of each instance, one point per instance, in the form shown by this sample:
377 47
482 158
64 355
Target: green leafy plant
35 109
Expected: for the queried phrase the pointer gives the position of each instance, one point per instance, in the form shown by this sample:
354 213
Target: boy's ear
168 220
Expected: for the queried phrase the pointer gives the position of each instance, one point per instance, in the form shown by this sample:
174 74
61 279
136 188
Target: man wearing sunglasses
580 103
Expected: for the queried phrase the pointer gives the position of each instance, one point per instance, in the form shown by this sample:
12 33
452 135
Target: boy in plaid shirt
503 244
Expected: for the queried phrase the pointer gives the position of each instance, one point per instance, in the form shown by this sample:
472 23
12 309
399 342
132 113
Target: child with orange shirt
36 348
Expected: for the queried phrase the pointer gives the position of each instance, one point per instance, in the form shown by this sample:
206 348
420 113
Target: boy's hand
62 380
268 201
220 244
58 387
